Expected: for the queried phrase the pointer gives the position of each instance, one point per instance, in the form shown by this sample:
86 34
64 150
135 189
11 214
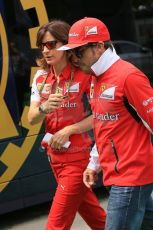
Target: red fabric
85 31
72 196
124 145
72 111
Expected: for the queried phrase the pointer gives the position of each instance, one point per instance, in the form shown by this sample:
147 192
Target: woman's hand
60 138
54 101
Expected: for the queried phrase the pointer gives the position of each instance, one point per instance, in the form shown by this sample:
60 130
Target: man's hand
90 177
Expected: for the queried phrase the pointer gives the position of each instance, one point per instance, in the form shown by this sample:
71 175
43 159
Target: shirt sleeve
139 93
35 96
94 163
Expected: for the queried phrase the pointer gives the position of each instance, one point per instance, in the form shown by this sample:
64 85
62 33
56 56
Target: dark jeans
130 208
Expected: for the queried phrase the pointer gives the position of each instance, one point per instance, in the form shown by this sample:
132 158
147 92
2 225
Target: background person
122 105
57 96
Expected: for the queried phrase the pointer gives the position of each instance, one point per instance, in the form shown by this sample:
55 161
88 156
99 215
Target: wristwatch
41 109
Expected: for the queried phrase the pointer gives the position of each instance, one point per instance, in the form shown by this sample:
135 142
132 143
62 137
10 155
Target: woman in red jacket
58 96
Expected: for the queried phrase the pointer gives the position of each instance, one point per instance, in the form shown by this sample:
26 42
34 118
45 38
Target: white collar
107 59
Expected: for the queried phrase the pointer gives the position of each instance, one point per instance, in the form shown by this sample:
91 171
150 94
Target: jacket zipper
116 155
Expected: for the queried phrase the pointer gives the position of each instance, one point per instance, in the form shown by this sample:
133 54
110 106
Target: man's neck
107 59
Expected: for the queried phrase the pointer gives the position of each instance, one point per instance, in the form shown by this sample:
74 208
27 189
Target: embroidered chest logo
73 88
107 93
46 88
103 87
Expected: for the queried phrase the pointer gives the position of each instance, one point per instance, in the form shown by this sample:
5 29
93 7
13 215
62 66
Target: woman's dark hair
58 29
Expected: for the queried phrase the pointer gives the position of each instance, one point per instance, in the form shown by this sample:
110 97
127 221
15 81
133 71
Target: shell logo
14 156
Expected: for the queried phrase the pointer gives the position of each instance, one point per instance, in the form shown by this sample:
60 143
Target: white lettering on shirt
69 105
146 102
150 110
106 117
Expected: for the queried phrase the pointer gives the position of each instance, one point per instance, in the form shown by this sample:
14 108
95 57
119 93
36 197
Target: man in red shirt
122 105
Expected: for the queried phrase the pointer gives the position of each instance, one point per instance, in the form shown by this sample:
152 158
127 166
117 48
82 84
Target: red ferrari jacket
122 104
75 108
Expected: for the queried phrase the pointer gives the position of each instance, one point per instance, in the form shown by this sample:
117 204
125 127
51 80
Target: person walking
122 105
59 96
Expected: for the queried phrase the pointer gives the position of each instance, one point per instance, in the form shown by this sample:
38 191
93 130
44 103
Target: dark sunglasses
79 51
49 44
